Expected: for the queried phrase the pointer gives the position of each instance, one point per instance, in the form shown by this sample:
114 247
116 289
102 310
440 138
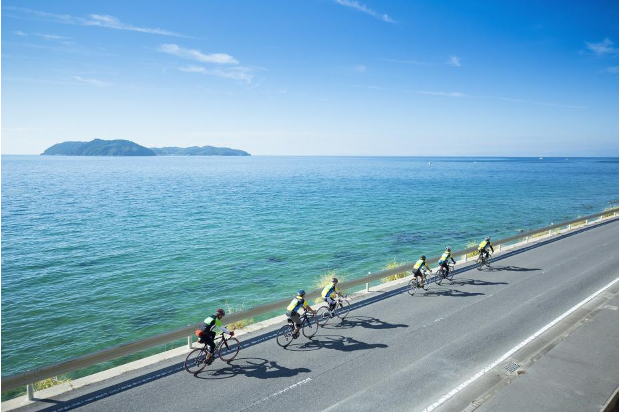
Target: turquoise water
99 251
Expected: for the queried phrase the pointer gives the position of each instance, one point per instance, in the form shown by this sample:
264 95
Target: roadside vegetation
391 265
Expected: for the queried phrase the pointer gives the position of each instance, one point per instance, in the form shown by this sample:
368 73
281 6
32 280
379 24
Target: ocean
98 251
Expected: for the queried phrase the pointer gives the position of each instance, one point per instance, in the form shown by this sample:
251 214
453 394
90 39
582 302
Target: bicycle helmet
487 238
301 292
448 248
220 311
334 280
423 257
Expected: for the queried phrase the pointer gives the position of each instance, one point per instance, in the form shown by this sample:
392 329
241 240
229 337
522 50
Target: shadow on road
450 292
258 368
475 282
364 322
510 269
335 342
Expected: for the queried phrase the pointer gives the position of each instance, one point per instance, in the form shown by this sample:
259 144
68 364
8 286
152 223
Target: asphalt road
393 352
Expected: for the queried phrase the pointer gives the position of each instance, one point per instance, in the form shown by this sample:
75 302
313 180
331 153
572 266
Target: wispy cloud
354 4
92 82
603 48
417 62
217 58
52 36
20 33
613 70
454 61
105 21
238 73
445 94
359 68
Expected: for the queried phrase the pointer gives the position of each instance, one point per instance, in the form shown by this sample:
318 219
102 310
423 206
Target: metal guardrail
35 375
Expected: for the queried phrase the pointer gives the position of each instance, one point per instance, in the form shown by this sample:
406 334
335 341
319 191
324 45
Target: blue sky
315 77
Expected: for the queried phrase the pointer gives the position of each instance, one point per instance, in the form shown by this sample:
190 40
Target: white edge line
463 385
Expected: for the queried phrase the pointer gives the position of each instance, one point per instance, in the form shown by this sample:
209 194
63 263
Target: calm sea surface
98 251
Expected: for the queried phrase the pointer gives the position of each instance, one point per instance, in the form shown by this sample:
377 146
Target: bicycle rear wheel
229 349
343 309
285 335
441 275
480 263
196 360
322 315
309 328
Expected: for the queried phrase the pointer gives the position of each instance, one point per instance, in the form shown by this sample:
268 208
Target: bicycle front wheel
480 263
343 309
196 361
229 349
285 335
309 327
322 315
413 287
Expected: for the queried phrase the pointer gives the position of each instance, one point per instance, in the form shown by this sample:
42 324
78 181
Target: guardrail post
499 247
587 221
465 257
189 342
527 239
367 287
30 391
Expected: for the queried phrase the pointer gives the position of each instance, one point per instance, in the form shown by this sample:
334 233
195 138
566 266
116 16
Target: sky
314 77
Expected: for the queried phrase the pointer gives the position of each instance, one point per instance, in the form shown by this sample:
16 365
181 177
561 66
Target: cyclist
329 293
207 333
292 311
418 271
484 247
443 260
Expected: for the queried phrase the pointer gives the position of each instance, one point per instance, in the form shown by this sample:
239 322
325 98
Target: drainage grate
511 367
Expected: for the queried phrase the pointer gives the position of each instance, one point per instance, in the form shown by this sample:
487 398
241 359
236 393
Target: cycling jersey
419 265
211 323
297 304
485 245
445 257
329 291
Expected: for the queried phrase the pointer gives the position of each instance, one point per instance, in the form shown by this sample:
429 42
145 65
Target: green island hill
99 147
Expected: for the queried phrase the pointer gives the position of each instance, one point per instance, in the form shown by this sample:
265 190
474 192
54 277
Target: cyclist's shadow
365 322
336 342
450 292
258 368
475 282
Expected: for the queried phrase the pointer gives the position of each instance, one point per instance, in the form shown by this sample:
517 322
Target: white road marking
486 369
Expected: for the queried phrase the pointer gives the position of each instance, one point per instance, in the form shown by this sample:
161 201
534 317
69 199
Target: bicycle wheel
441 275
450 274
479 263
310 327
413 287
343 309
196 360
322 315
229 349
285 335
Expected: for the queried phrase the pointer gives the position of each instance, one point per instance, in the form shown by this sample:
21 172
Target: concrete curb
612 402
154 359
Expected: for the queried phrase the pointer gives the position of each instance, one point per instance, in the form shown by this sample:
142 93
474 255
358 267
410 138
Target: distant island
99 147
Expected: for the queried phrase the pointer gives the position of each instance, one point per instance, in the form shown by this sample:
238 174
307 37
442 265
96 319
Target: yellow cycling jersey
330 290
419 264
296 304
445 257
483 244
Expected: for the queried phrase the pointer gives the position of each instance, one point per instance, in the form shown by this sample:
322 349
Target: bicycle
414 285
442 273
341 310
308 328
227 350
483 260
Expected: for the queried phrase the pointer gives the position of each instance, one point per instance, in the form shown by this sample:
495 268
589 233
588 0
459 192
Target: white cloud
613 70
20 33
602 48
238 73
52 36
454 61
360 68
406 61
109 22
92 82
446 94
217 58
354 4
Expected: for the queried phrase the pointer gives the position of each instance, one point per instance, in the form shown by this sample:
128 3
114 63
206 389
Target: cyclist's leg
210 342
296 322
331 303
